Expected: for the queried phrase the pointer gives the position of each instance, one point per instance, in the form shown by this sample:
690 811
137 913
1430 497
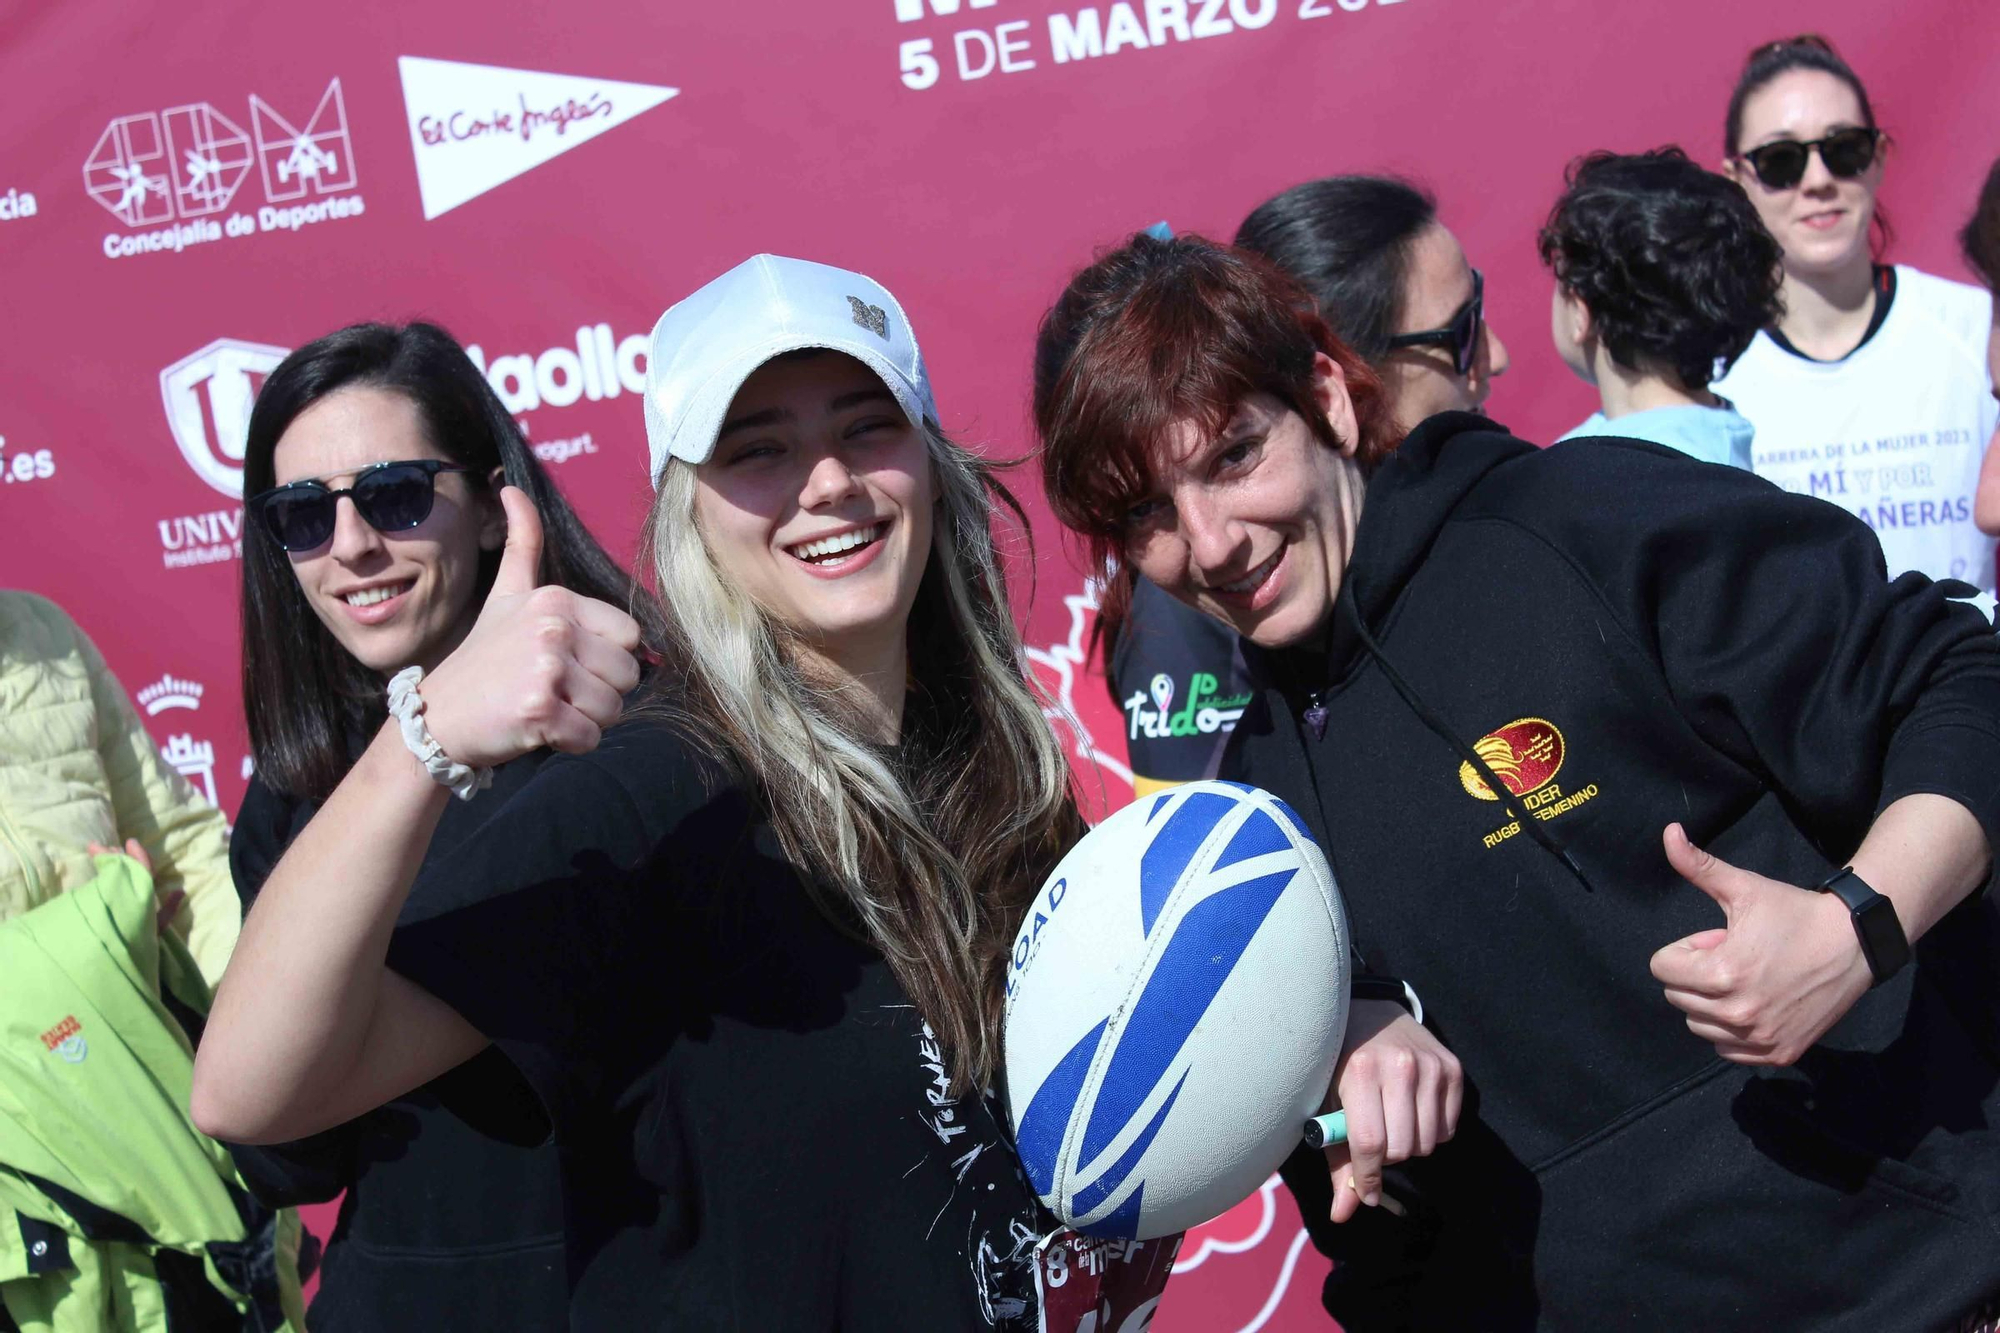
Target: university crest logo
1525 755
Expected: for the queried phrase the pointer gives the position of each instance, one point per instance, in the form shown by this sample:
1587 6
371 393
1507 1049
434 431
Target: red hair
1160 332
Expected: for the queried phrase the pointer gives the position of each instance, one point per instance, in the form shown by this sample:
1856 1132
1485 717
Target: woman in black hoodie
1520 691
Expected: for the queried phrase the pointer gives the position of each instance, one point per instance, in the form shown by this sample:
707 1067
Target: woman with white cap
741 950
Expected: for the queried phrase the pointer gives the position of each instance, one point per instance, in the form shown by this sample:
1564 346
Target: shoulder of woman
1961 304
1593 495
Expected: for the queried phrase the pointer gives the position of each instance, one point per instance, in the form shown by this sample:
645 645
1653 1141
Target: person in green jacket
78 769
116 1214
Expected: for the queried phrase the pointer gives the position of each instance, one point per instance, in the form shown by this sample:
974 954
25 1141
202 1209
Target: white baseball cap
704 347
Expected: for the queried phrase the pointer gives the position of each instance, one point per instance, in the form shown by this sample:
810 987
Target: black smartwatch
1883 943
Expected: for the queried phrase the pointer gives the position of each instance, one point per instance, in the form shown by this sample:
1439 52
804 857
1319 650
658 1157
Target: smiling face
1422 381
1254 526
1822 222
817 502
392 599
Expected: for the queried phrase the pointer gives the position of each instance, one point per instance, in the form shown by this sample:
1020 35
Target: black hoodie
1625 638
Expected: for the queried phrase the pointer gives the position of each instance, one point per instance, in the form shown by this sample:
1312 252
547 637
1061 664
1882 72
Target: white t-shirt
1895 432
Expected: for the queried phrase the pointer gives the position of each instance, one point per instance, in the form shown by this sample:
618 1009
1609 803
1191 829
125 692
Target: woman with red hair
1492 676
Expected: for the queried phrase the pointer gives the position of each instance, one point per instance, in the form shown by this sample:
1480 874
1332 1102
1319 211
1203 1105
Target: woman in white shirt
1981 242
1872 390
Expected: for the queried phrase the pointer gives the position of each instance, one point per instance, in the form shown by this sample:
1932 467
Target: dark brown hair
1348 240
1981 237
1808 50
1159 332
305 698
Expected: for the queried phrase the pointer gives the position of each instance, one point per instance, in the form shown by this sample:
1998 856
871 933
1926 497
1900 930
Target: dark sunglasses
1461 335
1847 153
390 497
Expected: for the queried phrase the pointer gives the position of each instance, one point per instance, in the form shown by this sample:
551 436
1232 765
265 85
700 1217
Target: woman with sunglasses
372 463
1515 692
1394 281
1872 390
740 954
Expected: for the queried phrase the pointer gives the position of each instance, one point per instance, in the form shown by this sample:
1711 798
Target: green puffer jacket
115 1212
77 766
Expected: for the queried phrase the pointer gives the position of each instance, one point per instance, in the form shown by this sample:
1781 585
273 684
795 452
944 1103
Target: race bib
1087 1285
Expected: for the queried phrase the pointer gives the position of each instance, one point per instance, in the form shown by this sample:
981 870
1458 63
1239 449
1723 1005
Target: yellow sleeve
186 837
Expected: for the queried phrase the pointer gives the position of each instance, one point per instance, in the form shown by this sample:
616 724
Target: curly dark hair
1671 260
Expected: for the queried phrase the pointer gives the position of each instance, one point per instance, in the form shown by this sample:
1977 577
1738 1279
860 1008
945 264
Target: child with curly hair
1664 274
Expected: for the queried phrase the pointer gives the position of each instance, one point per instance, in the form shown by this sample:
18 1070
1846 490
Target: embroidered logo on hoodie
1525 755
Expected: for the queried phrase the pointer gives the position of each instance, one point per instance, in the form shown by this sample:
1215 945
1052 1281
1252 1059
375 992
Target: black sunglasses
1461 335
390 497
1781 165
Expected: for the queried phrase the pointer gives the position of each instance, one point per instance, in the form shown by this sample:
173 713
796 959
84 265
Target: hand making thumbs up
541 667
1783 968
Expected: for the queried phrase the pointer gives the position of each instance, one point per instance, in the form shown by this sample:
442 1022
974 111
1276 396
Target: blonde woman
741 950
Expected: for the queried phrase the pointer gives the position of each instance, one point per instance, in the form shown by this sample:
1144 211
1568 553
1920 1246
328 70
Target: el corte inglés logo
1525 755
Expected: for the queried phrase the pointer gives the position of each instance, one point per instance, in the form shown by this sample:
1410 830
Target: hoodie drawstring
1542 836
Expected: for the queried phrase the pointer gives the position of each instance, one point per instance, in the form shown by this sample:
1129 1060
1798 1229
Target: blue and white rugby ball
1176 1003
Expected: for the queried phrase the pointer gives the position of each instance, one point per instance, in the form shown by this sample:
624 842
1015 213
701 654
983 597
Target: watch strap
1367 986
1884 946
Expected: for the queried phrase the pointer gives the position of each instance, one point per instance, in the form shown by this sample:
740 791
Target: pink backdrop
187 192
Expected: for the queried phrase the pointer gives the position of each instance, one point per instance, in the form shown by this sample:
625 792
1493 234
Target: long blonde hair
932 857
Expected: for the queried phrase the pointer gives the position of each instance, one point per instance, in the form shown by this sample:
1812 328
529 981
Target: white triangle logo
473 127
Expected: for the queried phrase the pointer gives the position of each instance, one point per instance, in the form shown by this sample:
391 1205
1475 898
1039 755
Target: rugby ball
1176 1002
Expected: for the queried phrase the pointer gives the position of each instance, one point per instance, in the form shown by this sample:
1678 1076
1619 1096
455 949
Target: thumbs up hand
1784 968
542 666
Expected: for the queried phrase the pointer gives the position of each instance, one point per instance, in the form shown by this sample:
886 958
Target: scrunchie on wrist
407 707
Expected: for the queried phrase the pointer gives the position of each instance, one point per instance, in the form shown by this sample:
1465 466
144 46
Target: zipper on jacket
20 852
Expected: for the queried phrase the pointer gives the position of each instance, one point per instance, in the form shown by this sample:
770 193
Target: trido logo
473 127
1204 710
188 163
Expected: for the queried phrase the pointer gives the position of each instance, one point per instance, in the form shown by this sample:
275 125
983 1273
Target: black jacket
1626 638
442 1227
